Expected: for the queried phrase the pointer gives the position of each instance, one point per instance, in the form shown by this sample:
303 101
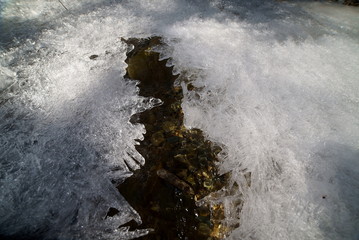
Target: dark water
180 163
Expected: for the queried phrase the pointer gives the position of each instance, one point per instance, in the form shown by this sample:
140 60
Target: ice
279 91
286 107
7 78
65 131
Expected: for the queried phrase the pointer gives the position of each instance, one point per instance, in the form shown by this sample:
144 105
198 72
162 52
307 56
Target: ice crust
278 87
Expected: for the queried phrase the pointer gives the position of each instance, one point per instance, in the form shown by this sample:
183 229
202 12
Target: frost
66 135
280 107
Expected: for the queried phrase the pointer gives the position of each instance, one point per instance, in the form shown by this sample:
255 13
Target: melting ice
279 88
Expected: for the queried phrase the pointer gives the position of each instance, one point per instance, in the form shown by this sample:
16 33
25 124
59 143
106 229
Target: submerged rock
175 181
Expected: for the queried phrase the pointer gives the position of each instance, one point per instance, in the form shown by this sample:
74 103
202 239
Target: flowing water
171 192
274 83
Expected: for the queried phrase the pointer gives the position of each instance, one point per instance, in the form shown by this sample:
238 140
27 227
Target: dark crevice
181 164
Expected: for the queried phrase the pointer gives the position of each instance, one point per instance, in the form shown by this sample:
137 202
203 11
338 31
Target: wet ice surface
279 88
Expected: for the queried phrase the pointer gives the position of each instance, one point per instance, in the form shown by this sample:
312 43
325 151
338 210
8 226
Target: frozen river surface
278 88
